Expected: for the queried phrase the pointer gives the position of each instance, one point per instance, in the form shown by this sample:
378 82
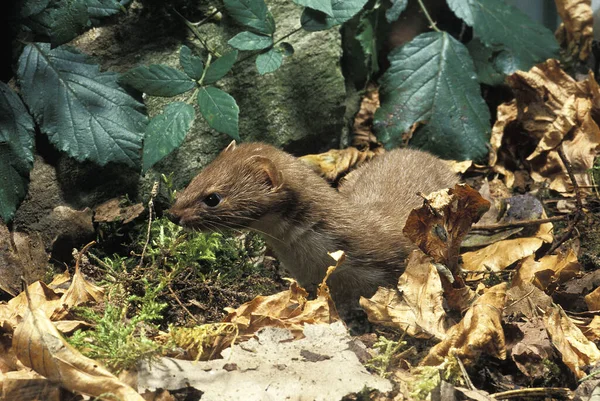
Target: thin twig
521 223
80 255
563 393
150 213
182 305
432 24
196 33
577 215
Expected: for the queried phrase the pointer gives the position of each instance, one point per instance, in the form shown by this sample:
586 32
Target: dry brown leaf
39 345
26 385
42 299
439 226
532 348
417 306
550 109
592 300
480 331
526 300
592 329
576 33
69 326
81 292
60 282
500 255
337 162
363 122
576 350
549 271
459 167
112 210
287 309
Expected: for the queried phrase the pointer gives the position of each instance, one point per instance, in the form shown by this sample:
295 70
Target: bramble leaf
220 67
16 151
63 22
253 14
220 110
166 132
103 8
431 80
83 111
250 41
269 61
192 65
343 10
320 5
497 23
158 80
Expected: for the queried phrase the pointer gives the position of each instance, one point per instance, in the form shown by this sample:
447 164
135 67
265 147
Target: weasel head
238 188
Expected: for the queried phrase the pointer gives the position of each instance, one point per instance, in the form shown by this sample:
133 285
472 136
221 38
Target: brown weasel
301 217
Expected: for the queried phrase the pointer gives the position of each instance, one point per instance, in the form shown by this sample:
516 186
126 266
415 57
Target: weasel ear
230 147
268 167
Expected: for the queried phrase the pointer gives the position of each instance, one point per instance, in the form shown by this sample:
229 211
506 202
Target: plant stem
431 22
196 33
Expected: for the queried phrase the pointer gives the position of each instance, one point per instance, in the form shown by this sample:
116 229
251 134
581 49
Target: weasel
301 217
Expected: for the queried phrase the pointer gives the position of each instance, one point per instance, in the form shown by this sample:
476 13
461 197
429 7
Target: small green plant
116 339
429 377
387 352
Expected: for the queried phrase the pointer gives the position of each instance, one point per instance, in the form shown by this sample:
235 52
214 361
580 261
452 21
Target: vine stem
431 22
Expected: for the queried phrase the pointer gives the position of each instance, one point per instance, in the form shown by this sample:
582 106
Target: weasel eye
212 200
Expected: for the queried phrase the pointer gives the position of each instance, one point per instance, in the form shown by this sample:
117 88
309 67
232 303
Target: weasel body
301 217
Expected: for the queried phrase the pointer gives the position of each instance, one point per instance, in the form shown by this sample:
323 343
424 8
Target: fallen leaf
592 329
81 291
593 300
459 167
548 272
531 348
363 122
336 162
576 350
42 299
551 109
416 307
27 385
39 345
480 331
575 33
69 326
526 300
500 255
439 226
112 210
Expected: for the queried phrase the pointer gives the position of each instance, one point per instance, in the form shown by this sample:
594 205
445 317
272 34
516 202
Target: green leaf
220 67
16 151
219 110
28 8
103 8
158 80
393 13
166 132
250 41
63 22
252 14
192 65
431 80
343 10
484 59
269 61
495 22
366 37
320 5
84 112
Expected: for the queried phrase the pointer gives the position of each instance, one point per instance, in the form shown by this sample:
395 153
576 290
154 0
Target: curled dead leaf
39 345
439 226
480 331
417 306
592 299
363 122
336 162
576 350
548 272
575 34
